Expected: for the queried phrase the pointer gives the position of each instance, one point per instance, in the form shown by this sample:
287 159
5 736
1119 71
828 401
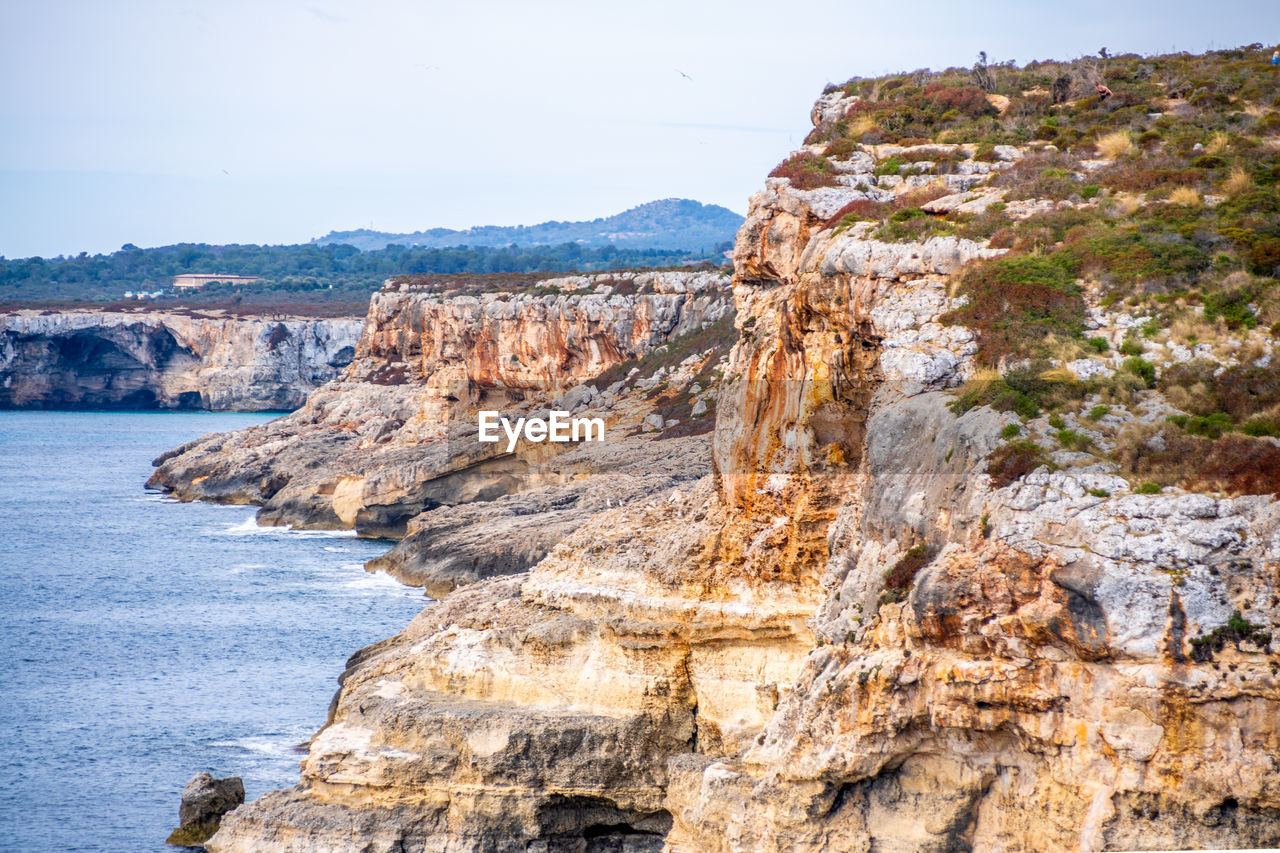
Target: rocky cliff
390 448
950 583
157 360
1002 661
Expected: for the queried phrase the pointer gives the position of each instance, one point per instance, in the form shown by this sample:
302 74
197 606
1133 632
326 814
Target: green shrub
1130 346
1100 493
1148 488
1262 426
1141 368
999 395
986 153
1016 301
1011 431
1209 161
1099 345
1237 630
1209 426
890 166
1127 254
1232 306
1073 440
912 223
1099 412
841 148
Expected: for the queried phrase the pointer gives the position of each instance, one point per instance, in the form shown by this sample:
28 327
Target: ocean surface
145 640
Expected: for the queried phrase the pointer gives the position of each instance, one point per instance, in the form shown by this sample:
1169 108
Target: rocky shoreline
390 449
837 621
159 360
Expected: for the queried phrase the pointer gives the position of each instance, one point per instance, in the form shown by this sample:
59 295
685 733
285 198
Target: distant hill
672 223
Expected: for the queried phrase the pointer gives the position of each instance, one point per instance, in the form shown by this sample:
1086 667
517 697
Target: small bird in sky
225 172
427 67
685 76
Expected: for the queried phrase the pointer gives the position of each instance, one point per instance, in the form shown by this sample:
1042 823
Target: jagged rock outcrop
158 360
204 801
851 636
390 448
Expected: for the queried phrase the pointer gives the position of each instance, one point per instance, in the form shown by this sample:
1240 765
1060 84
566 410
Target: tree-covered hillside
307 273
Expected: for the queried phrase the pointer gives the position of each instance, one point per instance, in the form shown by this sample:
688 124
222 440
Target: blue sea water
144 640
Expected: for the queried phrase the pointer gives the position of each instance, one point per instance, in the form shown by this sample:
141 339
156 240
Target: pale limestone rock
850 255
1089 368
725 666
824 201
858 162
963 202
157 359
395 437
832 106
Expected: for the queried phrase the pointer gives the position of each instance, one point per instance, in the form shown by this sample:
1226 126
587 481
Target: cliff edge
989 552
159 360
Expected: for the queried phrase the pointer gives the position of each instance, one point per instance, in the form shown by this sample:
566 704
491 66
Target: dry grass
1253 349
1219 143
1238 183
1115 145
1185 196
1191 328
1062 349
1187 397
981 380
861 125
1060 374
1125 204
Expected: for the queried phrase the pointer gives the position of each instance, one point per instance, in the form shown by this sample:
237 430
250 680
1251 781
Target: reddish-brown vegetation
1012 461
806 171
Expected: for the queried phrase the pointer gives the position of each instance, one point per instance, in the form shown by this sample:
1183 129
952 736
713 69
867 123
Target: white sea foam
376 582
250 527
358 581
274 746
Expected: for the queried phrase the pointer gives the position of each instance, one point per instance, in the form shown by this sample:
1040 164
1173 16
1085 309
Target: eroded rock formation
204 801
390 448
848 636
157 360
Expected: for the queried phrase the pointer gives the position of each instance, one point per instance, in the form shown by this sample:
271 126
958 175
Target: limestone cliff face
737 665
156 360
1035 689
390 448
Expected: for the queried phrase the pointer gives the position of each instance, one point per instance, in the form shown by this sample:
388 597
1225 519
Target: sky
228 121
